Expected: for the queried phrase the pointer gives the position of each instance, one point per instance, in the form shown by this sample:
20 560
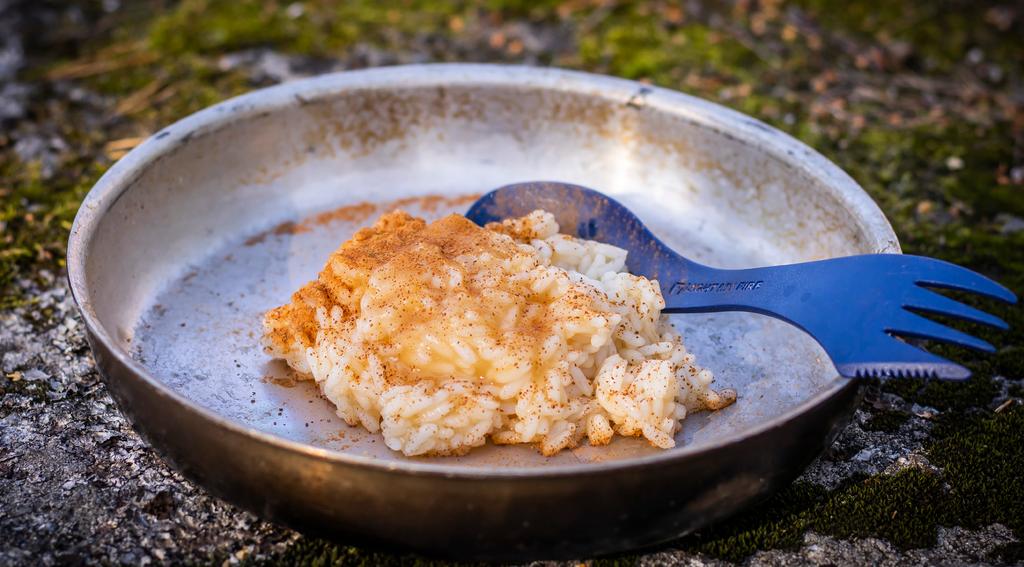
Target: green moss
196 84
976 183
531 9
939 33
901 167
311 552
319 28
886 420
123 82
203 26
35 217
902 508
1011 553
978 391
778 523
981 460
638 43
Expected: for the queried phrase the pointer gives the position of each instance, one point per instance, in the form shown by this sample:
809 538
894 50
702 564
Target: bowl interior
227 213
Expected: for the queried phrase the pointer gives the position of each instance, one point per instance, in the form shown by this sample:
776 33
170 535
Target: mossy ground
919 102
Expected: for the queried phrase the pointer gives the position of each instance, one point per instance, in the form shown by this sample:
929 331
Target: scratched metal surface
198 260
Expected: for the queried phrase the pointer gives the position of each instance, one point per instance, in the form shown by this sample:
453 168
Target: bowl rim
122 175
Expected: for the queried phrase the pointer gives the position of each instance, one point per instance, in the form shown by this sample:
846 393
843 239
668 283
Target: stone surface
930 124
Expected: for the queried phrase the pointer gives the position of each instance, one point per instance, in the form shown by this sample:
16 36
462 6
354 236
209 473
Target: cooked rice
441 336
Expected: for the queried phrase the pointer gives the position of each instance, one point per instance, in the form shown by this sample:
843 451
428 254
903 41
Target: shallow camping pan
179 249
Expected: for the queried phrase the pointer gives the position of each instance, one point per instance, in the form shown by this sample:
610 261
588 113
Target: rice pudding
443 335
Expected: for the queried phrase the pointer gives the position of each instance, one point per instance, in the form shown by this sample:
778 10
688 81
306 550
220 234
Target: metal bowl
182 245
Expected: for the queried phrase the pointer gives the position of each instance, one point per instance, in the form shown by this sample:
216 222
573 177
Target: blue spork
856 307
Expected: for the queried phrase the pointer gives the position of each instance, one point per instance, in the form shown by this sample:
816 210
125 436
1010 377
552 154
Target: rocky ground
921 103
